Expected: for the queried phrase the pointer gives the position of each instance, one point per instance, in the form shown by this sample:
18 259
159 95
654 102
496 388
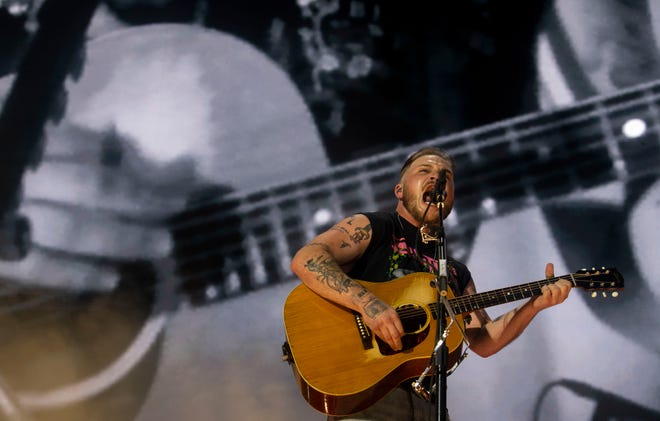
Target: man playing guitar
378 247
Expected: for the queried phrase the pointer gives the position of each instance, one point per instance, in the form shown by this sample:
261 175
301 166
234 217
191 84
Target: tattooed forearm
329 273
374 307
359 295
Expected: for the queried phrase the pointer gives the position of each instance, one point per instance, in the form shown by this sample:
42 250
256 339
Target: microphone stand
441 355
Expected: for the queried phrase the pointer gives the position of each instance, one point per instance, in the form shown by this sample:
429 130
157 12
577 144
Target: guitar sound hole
413 318
415 322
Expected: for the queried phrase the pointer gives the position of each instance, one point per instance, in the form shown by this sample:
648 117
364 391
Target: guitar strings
648 100
460 304
501 173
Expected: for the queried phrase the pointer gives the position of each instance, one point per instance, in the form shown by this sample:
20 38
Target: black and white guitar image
223 238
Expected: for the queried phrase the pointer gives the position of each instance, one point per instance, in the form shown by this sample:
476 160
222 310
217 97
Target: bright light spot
211 292
489 206
634 128
322 216
17 7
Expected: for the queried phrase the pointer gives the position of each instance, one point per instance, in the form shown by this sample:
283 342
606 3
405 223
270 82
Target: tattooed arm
322 265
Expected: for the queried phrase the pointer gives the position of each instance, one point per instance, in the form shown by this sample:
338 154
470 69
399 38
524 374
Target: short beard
409 203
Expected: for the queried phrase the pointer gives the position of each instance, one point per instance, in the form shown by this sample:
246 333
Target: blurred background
162 160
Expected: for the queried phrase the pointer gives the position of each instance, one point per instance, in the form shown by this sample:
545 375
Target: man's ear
398 191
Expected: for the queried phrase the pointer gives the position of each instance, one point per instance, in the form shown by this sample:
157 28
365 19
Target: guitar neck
503 167
604 280
468 303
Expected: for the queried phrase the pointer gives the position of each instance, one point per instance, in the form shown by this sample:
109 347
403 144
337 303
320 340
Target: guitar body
341 368
336 370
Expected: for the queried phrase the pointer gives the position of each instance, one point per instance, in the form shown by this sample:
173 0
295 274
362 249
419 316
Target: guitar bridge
365 333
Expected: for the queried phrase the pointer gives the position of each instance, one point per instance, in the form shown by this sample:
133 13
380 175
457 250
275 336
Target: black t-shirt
396 249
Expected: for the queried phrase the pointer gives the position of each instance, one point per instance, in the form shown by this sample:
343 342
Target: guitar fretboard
465 304
501 168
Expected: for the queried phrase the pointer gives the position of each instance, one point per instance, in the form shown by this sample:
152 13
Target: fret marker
543 152
489 206
634 128
211 292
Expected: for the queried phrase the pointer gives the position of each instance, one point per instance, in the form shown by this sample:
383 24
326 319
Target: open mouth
427 196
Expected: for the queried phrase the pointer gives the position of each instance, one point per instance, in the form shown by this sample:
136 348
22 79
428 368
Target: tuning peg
615 294
594 294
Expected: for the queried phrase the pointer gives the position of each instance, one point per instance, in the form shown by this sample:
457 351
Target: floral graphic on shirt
405 260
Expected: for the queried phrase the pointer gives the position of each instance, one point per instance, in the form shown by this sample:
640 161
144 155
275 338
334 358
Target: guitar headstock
603 280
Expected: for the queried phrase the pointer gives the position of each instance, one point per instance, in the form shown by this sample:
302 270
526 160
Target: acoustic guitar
342 368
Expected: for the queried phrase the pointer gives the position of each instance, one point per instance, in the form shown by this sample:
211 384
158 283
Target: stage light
489 206
322 216
16 7
634 128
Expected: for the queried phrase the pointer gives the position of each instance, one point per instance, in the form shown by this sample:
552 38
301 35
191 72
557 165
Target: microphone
438 195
